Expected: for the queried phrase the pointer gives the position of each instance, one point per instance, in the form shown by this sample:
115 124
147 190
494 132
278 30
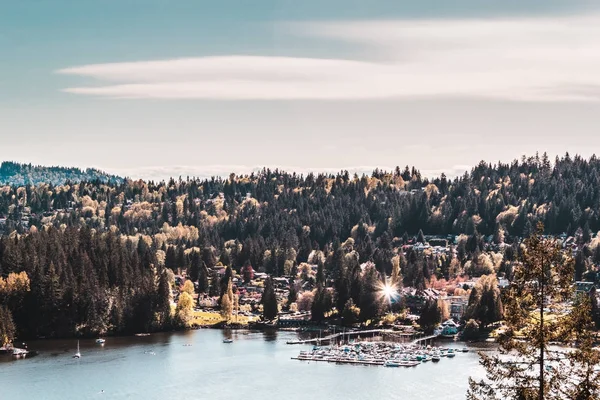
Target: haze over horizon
152 90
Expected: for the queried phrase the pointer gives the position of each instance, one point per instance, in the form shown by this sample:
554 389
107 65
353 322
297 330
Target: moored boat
78 354
19 353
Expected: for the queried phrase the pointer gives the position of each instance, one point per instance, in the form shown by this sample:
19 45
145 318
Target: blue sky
153 88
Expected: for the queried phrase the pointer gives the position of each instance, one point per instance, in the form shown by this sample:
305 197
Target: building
458 307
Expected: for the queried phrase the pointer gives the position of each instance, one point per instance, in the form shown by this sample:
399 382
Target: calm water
255 365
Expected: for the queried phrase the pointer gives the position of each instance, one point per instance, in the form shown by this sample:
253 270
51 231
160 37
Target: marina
168 360
387 354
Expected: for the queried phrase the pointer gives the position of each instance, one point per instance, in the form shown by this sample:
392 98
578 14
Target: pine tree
202 278
163 303
293 293
430 316
7 327
541 282
194 269
581 364
269 301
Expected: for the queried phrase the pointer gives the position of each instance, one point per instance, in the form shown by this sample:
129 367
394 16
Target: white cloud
535 59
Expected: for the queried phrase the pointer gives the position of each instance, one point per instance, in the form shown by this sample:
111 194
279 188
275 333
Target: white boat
435 358
78 354
409 363
100 341
19 353
392 363
227 340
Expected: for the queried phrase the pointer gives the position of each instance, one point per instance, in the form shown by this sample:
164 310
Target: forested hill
12 173
273 205
96 255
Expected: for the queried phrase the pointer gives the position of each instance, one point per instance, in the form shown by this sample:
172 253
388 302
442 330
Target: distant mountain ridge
12 173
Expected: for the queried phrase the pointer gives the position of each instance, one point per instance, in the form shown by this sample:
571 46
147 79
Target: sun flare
389 291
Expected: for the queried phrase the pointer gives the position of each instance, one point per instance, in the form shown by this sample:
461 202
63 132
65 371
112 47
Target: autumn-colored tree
184 310
247 272
227 302
188 287
444 309
485 302
14 283
396 279
525 368
305 300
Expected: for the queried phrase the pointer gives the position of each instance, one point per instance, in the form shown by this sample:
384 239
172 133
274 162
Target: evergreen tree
430 316
194 267
370 298
293 293
541 282
269 301
163 304
7 327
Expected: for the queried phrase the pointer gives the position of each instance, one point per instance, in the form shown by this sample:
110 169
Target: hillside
12 173
95 251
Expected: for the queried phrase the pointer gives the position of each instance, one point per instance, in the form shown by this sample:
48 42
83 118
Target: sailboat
78 354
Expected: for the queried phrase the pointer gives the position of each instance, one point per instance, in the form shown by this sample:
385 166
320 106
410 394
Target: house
431 294
583 287
414 300
450 323
503 283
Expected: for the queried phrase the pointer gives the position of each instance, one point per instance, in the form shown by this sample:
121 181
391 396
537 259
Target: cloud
158 173
525 59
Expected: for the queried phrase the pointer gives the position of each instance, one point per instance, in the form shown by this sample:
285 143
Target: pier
425 339
342 335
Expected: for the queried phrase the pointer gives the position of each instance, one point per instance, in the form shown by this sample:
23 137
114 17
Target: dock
342 335
339 361
425 339
388 354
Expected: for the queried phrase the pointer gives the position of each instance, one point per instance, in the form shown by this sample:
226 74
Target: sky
158 88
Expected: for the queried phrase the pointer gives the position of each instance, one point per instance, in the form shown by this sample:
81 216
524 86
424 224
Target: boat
227 340
100 341
391 363
435 358
19 353
450 353
78 354
409 363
